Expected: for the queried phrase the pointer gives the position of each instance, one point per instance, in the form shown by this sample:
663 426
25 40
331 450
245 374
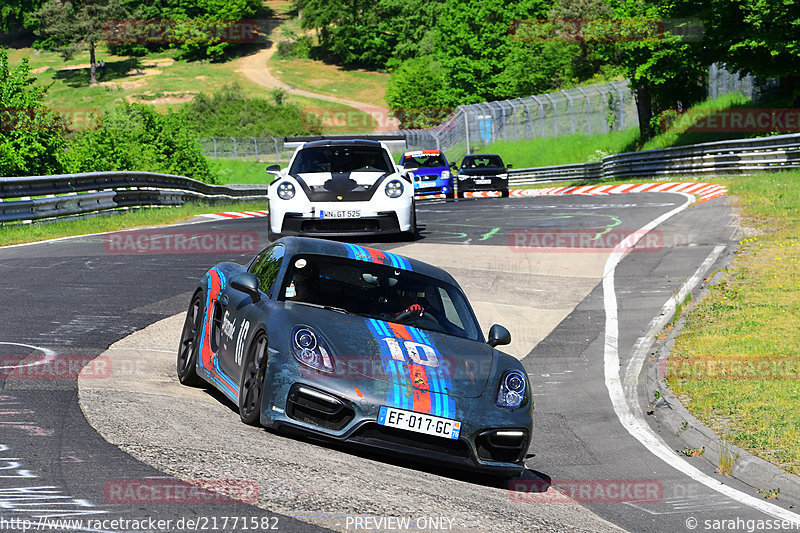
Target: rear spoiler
391 141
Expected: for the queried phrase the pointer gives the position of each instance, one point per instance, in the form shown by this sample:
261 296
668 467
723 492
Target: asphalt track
74 298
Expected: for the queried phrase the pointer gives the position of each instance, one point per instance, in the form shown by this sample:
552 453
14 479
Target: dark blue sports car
359 345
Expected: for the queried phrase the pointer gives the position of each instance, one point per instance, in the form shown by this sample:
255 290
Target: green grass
235 171
750 318
161 80
677 134
21 233
578 148
315 76
582 148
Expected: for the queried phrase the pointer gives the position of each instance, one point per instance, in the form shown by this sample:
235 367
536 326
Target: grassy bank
578 148
735 364
20 233
581 148
237 171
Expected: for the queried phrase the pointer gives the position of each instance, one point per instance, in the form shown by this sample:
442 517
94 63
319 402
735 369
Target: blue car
431 172
356 345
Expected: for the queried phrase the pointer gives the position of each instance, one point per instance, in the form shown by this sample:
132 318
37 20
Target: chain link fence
594 109
722 81
264 149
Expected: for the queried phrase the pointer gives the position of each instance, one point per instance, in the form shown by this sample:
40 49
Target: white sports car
341 188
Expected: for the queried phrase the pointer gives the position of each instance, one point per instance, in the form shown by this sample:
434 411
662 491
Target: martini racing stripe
210 360
429 383
371 255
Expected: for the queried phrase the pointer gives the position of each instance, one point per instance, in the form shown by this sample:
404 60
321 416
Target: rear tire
190 343
252 386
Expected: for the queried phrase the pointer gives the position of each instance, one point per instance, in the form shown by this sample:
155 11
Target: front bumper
383 223
327 406
437 186
495 184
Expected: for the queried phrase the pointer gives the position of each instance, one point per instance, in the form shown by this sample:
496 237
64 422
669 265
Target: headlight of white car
394 189
286 191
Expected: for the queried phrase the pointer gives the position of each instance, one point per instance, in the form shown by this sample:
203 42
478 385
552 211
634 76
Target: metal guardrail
41 197
77 194
781 152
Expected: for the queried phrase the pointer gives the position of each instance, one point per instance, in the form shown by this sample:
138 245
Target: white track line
627 414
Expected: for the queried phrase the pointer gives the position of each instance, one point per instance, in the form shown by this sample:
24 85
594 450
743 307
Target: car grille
375 434
335 226
311 406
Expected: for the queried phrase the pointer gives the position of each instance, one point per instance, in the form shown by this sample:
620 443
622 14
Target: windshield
482 161
341 159
426 161
379 291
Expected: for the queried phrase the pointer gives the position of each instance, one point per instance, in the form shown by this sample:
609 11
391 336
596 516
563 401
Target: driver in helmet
408 302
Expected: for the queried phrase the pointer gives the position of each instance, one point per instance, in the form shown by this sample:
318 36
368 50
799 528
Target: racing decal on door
411 362
371 255
243 331
209 359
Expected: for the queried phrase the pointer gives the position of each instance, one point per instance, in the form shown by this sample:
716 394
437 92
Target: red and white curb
231 215
702 191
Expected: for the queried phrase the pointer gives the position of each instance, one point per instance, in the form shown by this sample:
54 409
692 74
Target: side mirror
509 166
453 166
498 335
274 169
247 283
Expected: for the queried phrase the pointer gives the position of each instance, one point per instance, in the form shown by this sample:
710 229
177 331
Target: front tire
252 386
504 193
411 233
190 343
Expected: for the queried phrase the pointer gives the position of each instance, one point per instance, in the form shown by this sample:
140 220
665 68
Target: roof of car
472 156
296 245
347 142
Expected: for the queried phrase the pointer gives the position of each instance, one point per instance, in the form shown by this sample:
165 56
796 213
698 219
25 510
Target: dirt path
256 68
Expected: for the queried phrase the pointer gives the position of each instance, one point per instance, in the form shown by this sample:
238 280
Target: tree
666 70
478 51
415 94
136 137
16 14
760 37
79 26
31 141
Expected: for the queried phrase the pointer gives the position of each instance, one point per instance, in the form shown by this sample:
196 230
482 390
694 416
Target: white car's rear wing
396 142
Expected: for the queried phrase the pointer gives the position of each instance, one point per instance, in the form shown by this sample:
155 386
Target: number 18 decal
420 354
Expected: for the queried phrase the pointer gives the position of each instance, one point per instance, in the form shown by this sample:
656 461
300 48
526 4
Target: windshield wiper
326 307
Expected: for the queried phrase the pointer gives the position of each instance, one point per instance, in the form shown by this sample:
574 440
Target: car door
238 312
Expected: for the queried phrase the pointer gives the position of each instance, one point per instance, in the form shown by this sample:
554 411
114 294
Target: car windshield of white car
341 159
379 291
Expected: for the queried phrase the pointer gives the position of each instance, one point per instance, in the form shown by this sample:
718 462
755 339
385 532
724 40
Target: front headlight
286 191
511 393
445 174
309 349
394 189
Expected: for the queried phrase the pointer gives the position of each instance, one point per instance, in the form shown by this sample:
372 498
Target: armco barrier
781 152
77 194
40 197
